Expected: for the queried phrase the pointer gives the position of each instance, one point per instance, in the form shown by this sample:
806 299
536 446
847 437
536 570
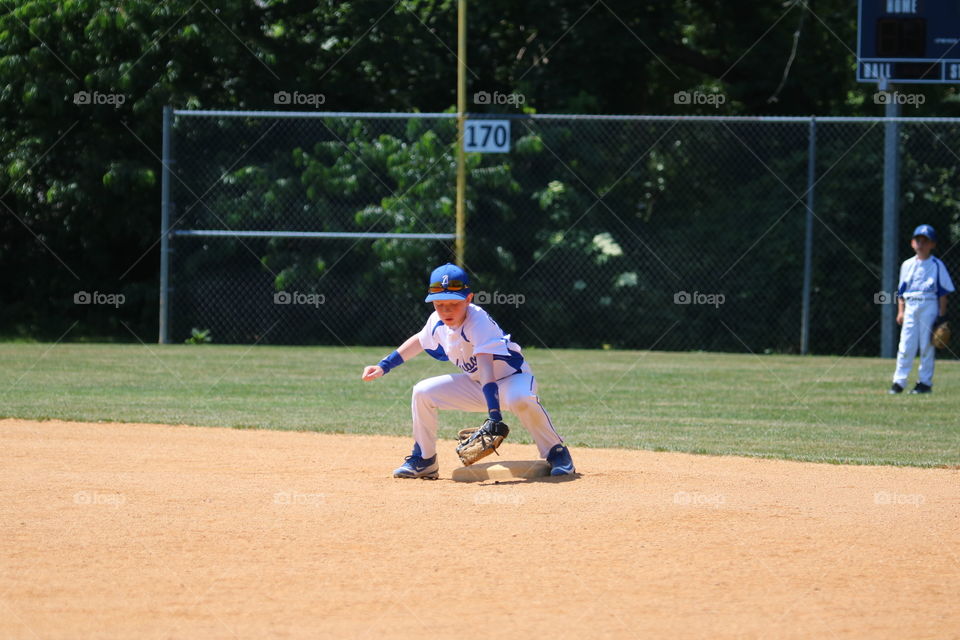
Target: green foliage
80 182
199 336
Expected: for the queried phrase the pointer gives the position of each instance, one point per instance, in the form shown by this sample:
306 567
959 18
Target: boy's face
452 312
922 245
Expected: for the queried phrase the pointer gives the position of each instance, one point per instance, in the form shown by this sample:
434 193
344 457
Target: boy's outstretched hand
372 372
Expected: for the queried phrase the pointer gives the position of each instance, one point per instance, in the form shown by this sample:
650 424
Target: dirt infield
134 530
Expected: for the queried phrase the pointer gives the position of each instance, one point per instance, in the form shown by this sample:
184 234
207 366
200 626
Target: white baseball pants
518 395
918 318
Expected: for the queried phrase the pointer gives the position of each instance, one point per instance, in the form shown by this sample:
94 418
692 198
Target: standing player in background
921 307
493 371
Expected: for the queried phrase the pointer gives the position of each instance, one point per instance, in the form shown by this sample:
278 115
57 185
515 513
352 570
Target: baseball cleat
561 464
922 388
895 389
416 466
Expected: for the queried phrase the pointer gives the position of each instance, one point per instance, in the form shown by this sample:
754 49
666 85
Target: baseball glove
941 335
478 442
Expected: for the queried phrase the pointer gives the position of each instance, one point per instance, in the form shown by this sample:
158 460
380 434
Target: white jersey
479 333
924 279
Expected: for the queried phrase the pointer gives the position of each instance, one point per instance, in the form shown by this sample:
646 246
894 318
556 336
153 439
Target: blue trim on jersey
464 336
515 359
940 290
438 353
436 326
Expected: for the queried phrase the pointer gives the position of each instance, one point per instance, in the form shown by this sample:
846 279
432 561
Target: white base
507 470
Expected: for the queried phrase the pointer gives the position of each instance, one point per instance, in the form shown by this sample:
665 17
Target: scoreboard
908 41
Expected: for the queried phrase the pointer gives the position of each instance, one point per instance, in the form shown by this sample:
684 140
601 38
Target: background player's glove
941 333
478 443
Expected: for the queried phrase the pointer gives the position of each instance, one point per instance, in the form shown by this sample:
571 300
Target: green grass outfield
826 409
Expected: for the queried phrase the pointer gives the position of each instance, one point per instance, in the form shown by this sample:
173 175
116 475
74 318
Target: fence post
460 246
166 160
891 224
808 237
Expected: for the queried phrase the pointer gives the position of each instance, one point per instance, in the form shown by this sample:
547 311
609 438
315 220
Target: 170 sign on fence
486 136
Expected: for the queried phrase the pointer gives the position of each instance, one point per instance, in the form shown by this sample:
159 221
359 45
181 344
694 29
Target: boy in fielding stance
494 371
921 307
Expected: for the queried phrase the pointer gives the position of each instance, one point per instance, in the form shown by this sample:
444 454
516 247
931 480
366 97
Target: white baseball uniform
922 282
479 333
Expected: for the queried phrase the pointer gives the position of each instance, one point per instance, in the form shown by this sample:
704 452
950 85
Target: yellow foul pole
461 119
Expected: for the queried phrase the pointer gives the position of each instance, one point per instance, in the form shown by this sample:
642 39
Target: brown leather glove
479 442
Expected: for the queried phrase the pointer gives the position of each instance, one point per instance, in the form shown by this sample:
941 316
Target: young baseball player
921 307
494 376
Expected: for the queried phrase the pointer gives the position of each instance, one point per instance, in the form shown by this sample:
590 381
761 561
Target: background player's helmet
925 230
448 282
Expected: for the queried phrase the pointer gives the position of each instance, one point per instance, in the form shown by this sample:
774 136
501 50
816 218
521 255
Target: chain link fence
628 232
